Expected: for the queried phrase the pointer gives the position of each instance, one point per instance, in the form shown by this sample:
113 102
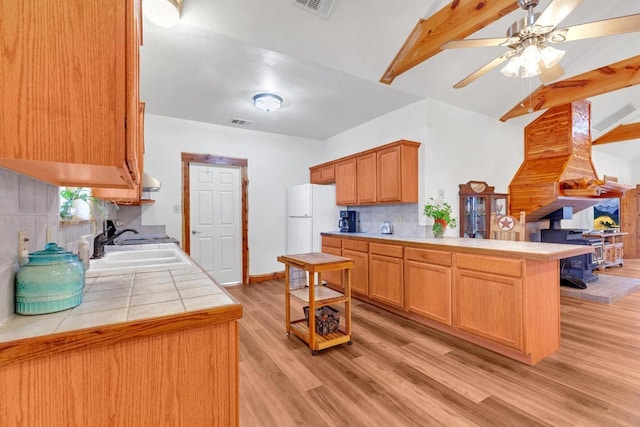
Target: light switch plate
23 246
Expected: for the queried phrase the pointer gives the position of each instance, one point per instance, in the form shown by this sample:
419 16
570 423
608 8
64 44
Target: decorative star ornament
506 223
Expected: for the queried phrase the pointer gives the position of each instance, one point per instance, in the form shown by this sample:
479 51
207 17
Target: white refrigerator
311 209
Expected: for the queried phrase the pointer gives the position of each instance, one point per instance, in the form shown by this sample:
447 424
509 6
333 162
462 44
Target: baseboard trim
264 277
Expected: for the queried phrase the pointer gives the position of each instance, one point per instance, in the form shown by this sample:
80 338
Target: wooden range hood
557 170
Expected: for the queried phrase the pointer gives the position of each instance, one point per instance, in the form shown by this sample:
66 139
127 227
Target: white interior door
215 216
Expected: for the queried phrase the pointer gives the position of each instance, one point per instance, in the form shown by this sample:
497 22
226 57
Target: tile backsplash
31 205
403 217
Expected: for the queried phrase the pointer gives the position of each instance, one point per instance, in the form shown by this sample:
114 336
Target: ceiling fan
528 40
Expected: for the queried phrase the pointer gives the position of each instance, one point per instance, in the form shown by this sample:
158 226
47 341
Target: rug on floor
606 290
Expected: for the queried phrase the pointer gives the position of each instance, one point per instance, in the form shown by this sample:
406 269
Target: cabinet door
346 182
64 98
490 306
333 278
428 289
366 168
315 175
386 280
359 272
389 176
323 174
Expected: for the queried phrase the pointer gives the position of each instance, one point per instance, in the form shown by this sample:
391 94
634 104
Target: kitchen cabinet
488 298
346 179
477 202
366 178
427 275
323 174
397 172
358 251
332 246
386 274
501 295
129 196
70 95
385 174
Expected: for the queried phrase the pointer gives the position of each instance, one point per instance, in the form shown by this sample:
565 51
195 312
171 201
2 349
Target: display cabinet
477 202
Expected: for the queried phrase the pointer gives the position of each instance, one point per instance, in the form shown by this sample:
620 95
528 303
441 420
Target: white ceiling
222 52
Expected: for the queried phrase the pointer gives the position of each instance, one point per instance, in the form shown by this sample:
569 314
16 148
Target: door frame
187 159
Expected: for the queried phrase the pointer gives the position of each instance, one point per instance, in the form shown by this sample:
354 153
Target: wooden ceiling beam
595 82
458 20
620 133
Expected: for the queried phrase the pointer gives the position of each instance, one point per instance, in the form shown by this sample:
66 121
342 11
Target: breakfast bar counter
502 295
143 348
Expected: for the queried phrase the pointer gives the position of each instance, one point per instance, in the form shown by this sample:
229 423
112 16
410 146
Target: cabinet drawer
502 266
355 245
388 250
428 256
334 242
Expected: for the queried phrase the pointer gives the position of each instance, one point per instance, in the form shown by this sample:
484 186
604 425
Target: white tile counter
112 298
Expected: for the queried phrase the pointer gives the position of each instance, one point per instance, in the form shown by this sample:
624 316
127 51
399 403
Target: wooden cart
318 296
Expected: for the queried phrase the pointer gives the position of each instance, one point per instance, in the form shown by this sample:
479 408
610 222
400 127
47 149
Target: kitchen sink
148 259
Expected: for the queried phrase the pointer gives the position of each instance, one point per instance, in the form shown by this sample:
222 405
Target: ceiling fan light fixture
267 102
530 70
551 56
165 13
512 69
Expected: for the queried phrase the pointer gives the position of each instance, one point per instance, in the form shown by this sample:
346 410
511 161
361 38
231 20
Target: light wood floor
399 373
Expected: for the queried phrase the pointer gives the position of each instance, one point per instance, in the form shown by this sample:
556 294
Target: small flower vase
439 227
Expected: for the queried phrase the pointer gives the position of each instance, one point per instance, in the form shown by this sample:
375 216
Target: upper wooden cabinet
385 174
398 173
366 180
346 178
323 174
69 105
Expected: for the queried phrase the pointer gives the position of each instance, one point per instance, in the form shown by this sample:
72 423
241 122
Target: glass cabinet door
474 223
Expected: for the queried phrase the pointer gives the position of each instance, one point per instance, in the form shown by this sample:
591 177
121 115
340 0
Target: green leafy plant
69 195
441 214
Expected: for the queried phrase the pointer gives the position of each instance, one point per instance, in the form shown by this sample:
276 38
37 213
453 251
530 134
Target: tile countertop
525 250
114 298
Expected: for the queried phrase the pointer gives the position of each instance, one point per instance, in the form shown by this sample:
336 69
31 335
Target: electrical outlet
50 237
23 244
176 208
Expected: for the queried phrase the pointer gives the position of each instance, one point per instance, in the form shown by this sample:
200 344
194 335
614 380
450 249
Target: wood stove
579 266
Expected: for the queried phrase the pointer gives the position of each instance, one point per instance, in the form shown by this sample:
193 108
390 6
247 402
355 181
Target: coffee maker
348 221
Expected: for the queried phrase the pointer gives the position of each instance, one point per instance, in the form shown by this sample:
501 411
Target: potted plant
70 195
441 214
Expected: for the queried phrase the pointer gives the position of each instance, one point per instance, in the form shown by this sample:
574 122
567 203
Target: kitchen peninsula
146 347
501 295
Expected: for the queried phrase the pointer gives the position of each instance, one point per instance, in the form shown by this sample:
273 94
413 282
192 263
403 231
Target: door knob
194 232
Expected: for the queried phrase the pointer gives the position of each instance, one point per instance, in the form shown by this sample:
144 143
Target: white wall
275 162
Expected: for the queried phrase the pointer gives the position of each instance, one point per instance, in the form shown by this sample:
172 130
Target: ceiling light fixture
267 102
528 60
165 13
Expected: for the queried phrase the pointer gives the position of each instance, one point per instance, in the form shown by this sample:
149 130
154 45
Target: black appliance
348 221
579 266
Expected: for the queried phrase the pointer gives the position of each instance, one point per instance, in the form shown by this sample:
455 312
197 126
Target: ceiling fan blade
607 27
484 69
455 44
547 75
556 12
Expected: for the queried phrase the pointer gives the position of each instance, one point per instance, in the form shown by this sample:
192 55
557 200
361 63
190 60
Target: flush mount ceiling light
165 13
267 102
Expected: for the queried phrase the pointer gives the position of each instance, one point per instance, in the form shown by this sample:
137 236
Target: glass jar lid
52 253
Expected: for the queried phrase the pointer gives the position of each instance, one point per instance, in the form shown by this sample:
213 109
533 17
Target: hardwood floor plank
400 373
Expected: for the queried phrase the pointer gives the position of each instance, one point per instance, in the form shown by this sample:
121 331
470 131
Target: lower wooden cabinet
427 279
332 246
386 276
358 251
488 299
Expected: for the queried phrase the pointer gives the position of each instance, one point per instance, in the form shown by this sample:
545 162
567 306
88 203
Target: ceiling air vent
241 122
615 117
318 7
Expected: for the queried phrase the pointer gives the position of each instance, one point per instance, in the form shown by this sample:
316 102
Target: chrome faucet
101 240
